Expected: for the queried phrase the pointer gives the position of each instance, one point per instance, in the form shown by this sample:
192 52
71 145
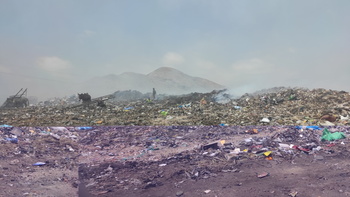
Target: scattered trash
308 127
293 194
185 105
222 142
59 129
163 164
128 108
252 131
164 113
70 148
330 118
99 122
5 125
327 135
104 192
207 191
203 101
237 107
84 128
284 146
269 158
13 140
39 164
263 174
265 120
344 117
213 145
57 137
301 148
236 151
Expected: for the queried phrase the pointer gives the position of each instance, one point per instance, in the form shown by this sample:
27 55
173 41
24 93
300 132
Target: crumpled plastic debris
164 113
263 174
267 153
39 164
265 120
308 127
237 107
128 108
327 135
13 140
5 125
84 128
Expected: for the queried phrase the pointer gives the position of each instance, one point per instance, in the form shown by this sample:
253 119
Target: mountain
165 80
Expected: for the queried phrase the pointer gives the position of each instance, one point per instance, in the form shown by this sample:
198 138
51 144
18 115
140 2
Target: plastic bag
327 135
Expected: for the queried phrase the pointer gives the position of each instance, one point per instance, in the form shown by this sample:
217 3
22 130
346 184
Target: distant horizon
237 92
108 75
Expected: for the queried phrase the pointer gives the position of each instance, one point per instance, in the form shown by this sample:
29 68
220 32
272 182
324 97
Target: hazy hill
165 80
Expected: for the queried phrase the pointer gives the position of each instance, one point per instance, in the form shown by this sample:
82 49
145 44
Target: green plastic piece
327 135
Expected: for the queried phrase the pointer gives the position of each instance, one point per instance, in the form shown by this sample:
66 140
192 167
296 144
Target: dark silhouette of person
154 94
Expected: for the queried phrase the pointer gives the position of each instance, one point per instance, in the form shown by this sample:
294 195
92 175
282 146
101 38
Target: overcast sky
48 45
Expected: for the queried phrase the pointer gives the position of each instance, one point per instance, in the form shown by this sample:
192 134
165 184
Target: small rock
14 162
179 193
318 157
16 131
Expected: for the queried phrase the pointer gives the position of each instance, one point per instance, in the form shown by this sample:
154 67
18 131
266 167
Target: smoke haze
54 47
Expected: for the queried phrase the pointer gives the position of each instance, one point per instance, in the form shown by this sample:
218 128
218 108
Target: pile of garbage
287 106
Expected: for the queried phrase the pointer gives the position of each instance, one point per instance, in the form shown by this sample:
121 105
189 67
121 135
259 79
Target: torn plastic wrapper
327 135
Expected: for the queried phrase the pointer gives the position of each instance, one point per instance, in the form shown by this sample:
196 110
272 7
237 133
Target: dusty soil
194 171
18 175
304 177
173 161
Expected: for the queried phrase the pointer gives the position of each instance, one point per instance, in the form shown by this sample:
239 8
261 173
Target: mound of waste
282 106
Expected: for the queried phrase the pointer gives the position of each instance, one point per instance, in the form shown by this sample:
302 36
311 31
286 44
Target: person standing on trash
154 94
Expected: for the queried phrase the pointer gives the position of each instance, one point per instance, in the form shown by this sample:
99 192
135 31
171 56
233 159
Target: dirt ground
174 161
304 177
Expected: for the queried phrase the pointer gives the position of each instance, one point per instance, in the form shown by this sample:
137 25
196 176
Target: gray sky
48 45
